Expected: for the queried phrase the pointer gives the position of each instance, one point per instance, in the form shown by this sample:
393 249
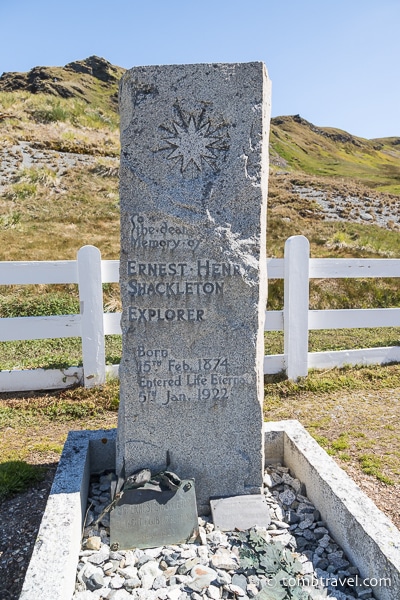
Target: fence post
296 303
91 309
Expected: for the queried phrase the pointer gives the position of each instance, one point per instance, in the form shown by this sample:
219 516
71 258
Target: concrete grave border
368 537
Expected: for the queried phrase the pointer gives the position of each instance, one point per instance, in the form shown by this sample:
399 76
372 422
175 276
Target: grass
351 412
17 476
339 339
323 151
55 212
52 353
37 423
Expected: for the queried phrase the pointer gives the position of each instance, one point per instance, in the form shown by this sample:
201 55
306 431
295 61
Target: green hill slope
329 152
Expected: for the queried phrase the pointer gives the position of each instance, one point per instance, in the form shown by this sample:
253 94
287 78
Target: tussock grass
59 214
63 124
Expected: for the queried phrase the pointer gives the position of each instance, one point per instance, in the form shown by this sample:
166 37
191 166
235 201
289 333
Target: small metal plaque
147 517
240 512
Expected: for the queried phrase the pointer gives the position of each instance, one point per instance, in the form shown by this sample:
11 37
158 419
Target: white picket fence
92 324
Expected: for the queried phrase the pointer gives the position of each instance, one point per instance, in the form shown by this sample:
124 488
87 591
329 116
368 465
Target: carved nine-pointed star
193 144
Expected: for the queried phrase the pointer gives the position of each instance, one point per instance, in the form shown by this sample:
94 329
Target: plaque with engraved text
149 518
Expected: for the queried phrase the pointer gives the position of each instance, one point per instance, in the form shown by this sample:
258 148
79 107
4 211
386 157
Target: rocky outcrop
97 67
61 81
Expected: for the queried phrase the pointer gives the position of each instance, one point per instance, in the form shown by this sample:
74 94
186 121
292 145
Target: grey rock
144 559
132 582
319 532
101 556
148 572
95 581
128 571
116 555
142 594
159 582
109 567
119 595
292 517
287 497
174 593
308 535
339 563
217 538
117 581
236 590
252 590
224 559
254 580
240 580
105 520
213 592
324 541
173 583
223 577
322 563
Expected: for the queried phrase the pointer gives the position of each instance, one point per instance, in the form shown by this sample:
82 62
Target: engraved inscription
181 277
162 235
202 268
193 143
163 379
141 315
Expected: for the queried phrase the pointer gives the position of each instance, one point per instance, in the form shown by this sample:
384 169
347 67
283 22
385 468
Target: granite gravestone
194 167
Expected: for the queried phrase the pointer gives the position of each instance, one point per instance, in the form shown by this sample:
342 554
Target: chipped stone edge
368 537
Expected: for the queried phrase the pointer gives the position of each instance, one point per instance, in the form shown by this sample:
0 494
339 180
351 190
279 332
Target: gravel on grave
211 568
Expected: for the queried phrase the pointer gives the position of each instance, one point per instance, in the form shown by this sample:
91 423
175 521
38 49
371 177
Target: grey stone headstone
194 167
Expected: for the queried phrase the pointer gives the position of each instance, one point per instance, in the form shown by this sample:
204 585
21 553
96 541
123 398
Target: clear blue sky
334 62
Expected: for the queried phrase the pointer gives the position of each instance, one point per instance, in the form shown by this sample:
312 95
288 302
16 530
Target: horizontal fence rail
89 272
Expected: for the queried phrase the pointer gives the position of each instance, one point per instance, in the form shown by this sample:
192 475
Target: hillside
325 151
59 148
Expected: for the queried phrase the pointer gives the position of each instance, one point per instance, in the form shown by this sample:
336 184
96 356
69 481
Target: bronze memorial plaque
148 517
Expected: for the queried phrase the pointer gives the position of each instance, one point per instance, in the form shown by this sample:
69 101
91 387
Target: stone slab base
368 537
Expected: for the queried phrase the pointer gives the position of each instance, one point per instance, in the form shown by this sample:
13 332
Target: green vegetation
59 213
34 427
338 339
17 476
351 412
52 353
328 152
372 465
